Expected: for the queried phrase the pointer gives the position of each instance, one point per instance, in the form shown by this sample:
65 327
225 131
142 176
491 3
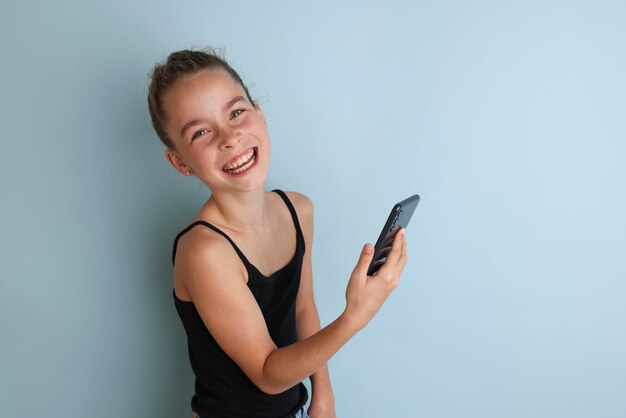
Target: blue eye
199 133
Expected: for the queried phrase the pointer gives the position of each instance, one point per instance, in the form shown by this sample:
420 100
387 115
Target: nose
230 138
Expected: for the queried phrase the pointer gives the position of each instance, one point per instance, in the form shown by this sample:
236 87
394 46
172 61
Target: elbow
267 383
270 390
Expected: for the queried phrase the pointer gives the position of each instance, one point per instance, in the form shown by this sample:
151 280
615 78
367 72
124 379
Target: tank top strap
214 228
294 216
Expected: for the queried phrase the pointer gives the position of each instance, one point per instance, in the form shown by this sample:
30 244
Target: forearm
307 324
287 366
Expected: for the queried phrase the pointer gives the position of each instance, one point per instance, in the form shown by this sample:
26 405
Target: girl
242 267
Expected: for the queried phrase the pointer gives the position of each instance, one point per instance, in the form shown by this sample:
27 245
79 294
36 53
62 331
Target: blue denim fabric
301 413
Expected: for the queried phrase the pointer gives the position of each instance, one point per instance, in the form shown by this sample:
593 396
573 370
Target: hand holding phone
366 294
398 218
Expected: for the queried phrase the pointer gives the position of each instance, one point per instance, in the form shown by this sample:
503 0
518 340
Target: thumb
367 253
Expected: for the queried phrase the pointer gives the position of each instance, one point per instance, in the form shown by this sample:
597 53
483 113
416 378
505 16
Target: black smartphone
398 218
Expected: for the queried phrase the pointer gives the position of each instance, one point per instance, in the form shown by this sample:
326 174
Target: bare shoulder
303 206
202 256
203 243
304 209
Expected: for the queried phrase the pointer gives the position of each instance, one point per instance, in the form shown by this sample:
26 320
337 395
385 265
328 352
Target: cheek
268 153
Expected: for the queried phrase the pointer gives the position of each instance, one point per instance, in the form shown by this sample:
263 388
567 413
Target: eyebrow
197 121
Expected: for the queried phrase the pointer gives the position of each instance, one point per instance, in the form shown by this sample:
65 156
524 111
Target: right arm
215 281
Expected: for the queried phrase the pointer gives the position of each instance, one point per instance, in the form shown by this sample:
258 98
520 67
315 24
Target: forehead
203 92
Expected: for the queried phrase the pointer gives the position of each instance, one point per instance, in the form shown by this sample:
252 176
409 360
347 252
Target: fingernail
367 249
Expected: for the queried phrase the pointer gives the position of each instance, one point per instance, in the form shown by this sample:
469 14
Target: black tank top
222 390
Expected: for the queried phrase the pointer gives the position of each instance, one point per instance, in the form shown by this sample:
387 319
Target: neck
239 211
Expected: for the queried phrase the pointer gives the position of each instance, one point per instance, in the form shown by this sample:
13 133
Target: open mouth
242 163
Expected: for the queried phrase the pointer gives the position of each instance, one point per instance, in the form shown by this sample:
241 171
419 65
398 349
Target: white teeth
240 161
251 157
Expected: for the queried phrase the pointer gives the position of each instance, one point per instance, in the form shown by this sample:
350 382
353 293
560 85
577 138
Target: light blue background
508 118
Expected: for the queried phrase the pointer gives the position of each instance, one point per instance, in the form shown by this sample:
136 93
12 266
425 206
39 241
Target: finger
403 257
400 264
385 251
367 253
375 266
392 258
390 236
396 248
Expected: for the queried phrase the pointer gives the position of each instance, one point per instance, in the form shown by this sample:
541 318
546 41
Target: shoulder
204 253
201 240
304 209
302 204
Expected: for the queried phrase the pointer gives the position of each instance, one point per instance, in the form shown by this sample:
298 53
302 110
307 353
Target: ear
179 164
257 106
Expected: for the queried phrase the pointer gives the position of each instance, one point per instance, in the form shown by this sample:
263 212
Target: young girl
242 267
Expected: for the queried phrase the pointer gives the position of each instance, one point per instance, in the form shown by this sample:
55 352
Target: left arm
307 319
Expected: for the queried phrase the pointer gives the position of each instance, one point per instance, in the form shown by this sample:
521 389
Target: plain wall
506 117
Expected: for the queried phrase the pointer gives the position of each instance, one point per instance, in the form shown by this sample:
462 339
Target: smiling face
219 135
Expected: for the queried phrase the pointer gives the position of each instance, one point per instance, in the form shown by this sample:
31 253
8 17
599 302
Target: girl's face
220 136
